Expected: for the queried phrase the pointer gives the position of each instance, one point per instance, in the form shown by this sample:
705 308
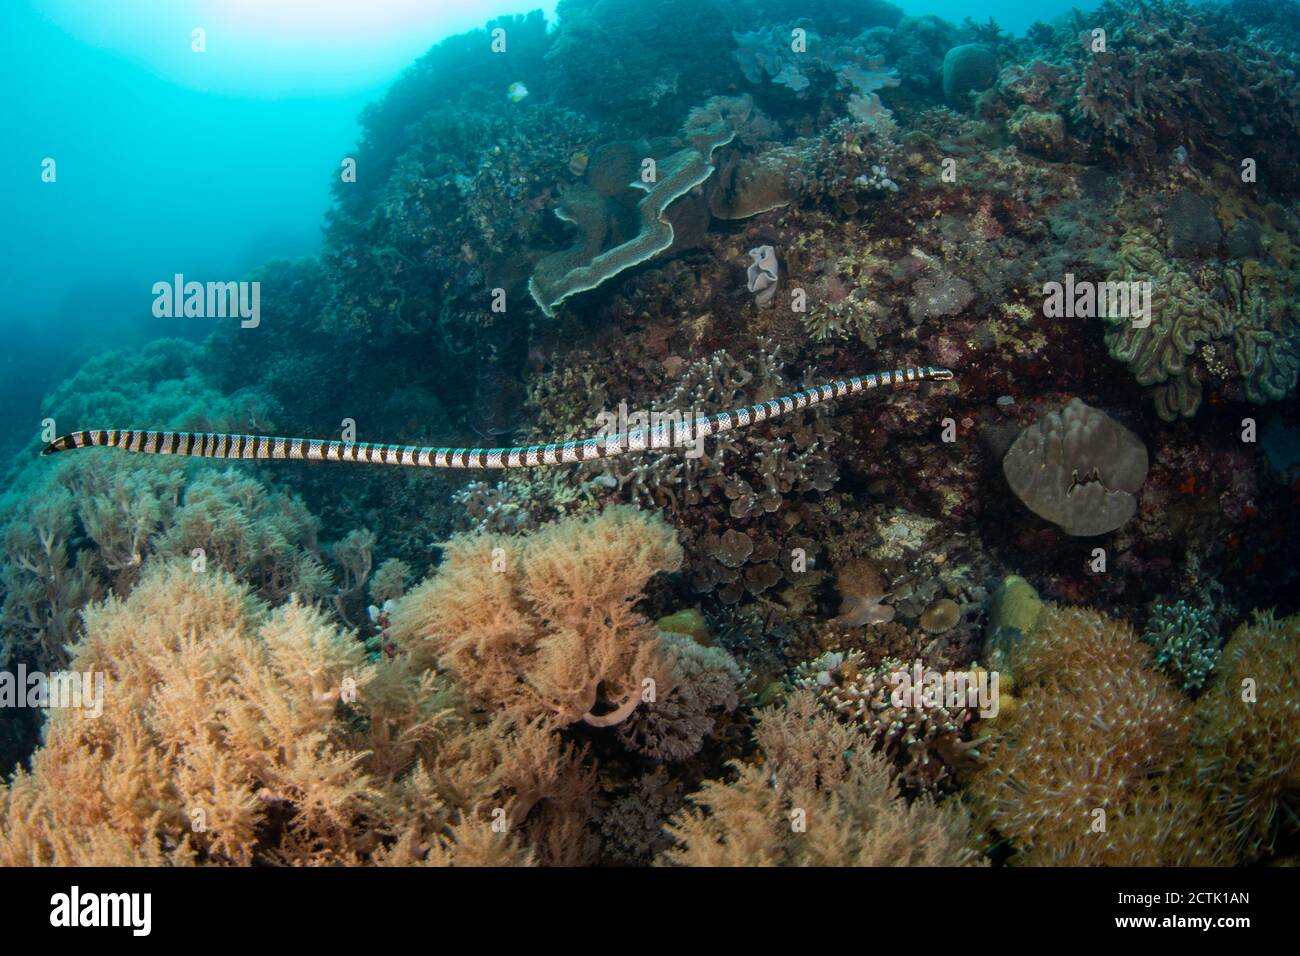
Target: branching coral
1186 642
1247 727
821 798
929 743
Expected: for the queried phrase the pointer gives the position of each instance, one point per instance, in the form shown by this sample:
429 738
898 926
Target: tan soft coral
1248 733
821 798
544 626
1096 728
233 733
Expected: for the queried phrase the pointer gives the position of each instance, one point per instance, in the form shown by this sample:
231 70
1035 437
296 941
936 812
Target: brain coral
1079 469
1183 317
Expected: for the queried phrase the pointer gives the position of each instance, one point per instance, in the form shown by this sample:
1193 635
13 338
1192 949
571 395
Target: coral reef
819 799
1246 726
235 734
1083 769
1079 469
685 657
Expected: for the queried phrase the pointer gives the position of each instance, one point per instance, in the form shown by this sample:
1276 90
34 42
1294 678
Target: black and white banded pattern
669 435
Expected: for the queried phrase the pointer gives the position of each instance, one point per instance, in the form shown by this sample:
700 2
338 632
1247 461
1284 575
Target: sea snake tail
675 432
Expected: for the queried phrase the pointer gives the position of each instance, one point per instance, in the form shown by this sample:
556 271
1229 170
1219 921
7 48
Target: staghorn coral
1079 469
544 626
1082 770
1247 725
821 798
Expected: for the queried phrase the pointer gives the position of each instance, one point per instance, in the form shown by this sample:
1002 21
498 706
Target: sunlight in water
256 46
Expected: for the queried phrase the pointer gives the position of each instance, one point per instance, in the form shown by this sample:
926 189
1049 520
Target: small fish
516 91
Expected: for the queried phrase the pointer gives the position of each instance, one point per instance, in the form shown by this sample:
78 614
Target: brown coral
1082 770
235 734
544 626
820 799
1247 728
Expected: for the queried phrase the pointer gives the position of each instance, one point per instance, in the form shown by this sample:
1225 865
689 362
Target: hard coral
1079 469
928 743
593 259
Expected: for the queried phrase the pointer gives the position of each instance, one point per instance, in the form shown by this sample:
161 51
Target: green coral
1249 313
1186 642
1266 344
1183 317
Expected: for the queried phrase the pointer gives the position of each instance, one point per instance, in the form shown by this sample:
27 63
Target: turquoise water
639 397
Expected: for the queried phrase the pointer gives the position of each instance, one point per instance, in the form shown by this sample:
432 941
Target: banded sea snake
660 436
